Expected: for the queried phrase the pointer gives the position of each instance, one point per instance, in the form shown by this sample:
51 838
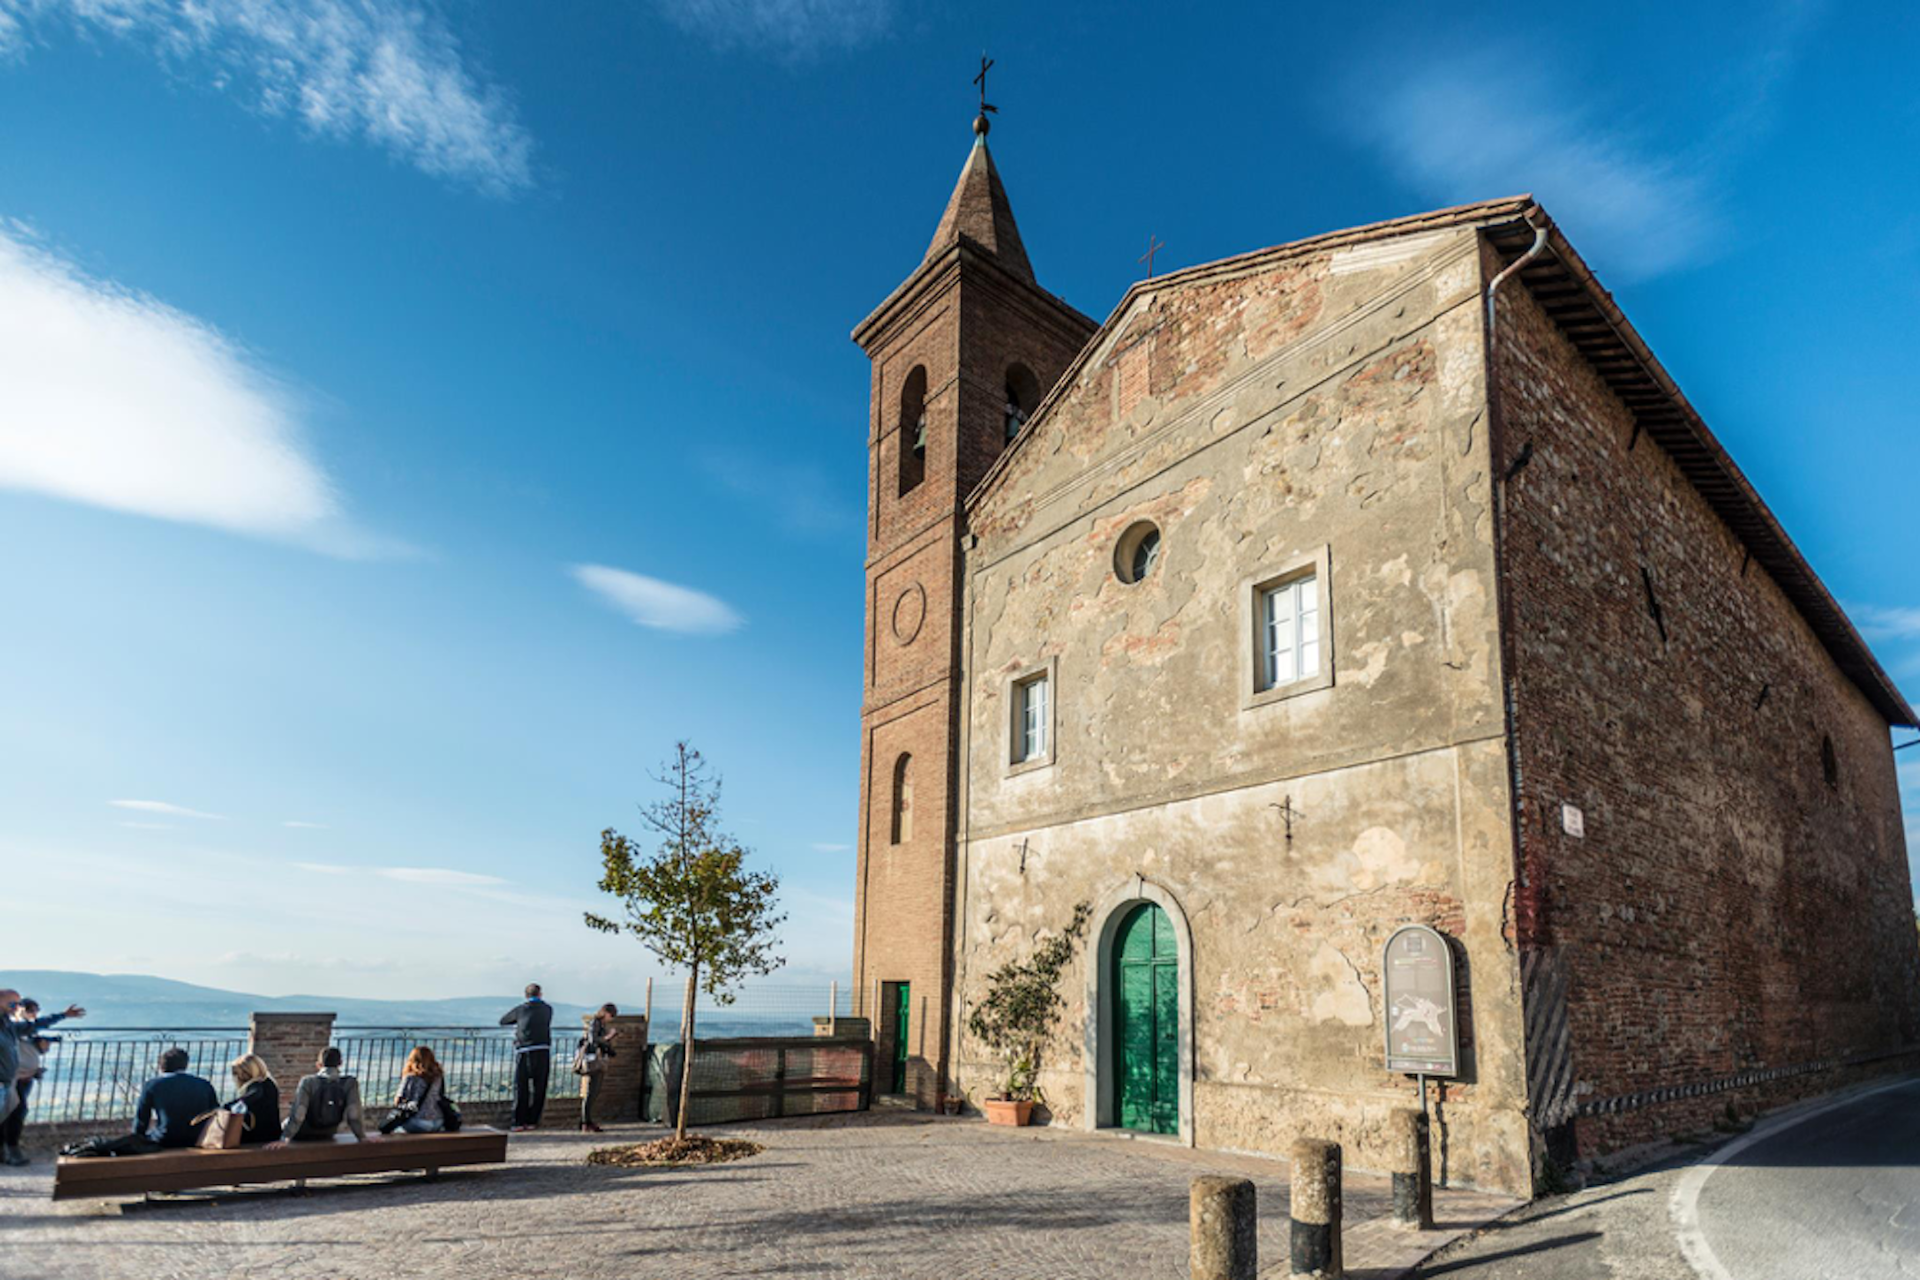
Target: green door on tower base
902 993
1146 1016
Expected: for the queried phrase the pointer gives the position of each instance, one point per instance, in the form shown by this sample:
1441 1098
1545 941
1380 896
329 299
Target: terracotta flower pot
1007 1111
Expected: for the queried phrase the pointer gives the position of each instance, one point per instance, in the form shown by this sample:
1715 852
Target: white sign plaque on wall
1572 821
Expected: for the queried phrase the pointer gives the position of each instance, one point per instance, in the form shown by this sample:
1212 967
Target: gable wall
1332 404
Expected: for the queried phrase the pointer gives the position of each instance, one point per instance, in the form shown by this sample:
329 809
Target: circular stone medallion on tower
909 611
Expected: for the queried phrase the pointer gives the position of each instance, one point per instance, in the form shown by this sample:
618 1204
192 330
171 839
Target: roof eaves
1665 414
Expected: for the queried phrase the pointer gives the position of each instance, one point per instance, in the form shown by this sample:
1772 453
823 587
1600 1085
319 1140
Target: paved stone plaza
887 1195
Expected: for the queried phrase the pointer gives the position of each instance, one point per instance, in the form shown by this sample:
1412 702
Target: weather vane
980 123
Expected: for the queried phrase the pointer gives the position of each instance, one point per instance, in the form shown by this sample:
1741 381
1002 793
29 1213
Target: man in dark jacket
532 1023
170 1103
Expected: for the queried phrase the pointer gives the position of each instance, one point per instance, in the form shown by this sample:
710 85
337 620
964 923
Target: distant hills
136 1000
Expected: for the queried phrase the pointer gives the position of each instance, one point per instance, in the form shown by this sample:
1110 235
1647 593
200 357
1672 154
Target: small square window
1289 632
1030 742
1288 623
1030 717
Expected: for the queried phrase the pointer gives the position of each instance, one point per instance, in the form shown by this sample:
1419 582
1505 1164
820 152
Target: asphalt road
1824 1191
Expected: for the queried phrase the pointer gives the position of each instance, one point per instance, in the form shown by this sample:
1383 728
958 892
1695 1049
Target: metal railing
478 1062
97 1074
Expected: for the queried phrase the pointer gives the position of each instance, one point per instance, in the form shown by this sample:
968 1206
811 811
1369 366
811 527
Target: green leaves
692 902
1022 1003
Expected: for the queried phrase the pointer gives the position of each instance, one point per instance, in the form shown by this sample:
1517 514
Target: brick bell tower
962 353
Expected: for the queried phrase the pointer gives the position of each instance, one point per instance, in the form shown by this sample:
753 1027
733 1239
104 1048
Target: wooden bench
81 1178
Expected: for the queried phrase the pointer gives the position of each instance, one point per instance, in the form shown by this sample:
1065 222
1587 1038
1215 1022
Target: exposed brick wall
963 321
290 1043
1728 910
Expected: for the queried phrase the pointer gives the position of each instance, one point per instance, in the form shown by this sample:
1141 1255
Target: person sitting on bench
322 1103
259 1099
170 1103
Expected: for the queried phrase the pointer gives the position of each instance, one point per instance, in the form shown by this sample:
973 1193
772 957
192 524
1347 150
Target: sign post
1422 1037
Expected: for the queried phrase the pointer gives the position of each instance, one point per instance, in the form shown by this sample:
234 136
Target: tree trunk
686 1058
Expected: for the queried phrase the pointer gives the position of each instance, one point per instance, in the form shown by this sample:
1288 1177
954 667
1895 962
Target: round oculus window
1137 552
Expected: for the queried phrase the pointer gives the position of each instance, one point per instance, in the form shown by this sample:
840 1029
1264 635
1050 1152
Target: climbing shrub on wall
1022 1003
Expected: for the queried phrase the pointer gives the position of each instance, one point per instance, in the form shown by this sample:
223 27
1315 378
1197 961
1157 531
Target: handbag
223 1129
587 1062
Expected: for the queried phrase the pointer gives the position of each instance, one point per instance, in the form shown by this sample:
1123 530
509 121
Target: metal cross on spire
980 123
1154 246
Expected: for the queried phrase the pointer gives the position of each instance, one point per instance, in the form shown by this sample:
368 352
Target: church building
1382 578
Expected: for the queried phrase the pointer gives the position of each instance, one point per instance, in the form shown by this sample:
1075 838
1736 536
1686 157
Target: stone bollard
1225 1229
1412 1165
1315 1207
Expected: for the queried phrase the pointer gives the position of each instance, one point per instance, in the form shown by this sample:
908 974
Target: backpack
329 1105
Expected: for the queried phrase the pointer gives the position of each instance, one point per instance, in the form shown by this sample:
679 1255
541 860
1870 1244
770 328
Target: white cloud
306 826
388 70
254 961
114 399
1878 623
801 496
792 29
1465 128
653 603
445 877
149 826
435 875
161 806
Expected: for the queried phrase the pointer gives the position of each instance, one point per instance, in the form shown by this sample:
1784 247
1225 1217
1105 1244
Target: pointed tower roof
980 211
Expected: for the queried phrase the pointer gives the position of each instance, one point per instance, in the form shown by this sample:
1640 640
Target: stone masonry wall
1739 902
1327 405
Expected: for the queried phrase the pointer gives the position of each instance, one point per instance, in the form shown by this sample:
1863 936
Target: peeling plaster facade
1324 407
1329 408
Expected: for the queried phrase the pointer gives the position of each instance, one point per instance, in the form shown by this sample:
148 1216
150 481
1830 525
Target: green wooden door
1146 1015
902 1003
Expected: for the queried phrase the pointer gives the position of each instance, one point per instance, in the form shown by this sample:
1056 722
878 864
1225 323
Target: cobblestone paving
892 1196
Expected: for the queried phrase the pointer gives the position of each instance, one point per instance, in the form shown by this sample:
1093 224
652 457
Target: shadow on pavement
1481 1260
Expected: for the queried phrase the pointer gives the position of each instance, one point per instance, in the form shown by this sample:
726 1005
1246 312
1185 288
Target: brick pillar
290 1043
626 1071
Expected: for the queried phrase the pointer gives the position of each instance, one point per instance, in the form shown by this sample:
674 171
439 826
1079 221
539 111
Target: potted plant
1022 1003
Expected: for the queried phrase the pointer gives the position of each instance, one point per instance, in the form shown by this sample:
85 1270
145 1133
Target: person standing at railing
590 1060
17 1030
532 1023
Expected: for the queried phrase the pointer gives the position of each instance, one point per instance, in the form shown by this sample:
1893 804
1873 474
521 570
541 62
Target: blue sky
413 418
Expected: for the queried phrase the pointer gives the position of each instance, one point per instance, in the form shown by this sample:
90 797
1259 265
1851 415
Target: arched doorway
1146 1022
1139 1028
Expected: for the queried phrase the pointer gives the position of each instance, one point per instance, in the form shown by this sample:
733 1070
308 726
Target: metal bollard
1316 1210
1225 1229
1412 1149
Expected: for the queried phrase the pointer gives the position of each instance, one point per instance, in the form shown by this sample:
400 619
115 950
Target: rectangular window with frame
1289 632
1032 722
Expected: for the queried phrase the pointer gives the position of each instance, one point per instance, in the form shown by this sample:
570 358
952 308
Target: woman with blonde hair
259 1100
420 1105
